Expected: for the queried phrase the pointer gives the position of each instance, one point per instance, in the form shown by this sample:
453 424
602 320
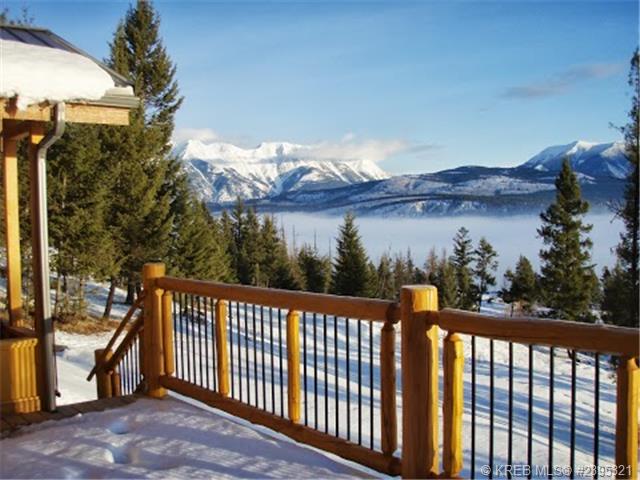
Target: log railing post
152 337
389 420
167 333
628 385
419 382
103 379
453 405
293 365
222 350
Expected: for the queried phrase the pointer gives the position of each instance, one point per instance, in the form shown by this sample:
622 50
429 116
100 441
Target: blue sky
418 86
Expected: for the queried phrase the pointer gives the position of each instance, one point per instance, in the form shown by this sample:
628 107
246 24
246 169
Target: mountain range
278 176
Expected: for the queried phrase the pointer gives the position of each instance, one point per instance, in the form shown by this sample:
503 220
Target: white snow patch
34 74
158 439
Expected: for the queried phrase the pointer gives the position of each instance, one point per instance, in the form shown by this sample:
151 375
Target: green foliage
143 214
462 258
567 278
522 285
351 275
484 269
314 268
622 284
386 287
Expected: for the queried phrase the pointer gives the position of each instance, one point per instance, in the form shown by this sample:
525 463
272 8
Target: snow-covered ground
158 439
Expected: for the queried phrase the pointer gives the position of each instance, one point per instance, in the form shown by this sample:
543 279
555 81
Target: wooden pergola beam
75 113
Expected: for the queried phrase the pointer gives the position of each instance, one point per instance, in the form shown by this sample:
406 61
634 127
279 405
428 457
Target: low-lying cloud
563 82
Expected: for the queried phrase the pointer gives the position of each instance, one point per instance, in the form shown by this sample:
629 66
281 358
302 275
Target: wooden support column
293 365
453 405
419 382
153 365
389 420
12 230
628 386
167 333
222 349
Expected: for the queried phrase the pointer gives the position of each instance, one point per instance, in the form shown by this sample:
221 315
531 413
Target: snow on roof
158 439
35 73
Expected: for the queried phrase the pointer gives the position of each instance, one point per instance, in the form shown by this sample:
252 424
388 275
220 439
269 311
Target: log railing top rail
350 307
540 331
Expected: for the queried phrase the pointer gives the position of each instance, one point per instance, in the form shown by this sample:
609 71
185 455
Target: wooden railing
118 372
321 369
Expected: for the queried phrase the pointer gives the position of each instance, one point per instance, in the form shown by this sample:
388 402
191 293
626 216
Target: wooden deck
10 424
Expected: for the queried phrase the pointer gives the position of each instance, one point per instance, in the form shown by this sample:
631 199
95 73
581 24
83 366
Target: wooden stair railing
106 368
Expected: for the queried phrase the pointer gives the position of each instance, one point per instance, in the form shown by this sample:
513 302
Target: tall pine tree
621 285
461 259
140 162
314 268
350 274
522 285
484 269
567 278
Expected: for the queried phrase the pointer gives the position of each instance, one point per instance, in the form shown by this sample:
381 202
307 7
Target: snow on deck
158 439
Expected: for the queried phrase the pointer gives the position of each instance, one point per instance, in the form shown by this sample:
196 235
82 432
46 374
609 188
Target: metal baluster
336 371
371 427
281 369
233 375
473 406
573 413
264 383
551 390
273 383
530 413
596 418
304 367
359 382
199 323
255 357
239 347
491 405
206 343
326 376
348 382
315 372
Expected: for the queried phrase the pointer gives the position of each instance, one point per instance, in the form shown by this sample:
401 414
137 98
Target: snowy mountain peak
588 158
221 172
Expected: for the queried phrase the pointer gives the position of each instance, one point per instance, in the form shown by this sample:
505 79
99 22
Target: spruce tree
446 283
386 287
314 268
462 258
522 285
350 274
621 285
140 163
568 281
274 265
78 195
485 267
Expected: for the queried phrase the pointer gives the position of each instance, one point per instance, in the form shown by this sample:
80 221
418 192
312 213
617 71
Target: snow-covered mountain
285 176
593 159
222 172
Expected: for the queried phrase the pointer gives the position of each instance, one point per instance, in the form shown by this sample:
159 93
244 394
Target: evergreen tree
431 267
522 285
485 267
386 287
140 165
621 305
315 269
446 283
462 258
78 194
274 265
567 278
350 274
